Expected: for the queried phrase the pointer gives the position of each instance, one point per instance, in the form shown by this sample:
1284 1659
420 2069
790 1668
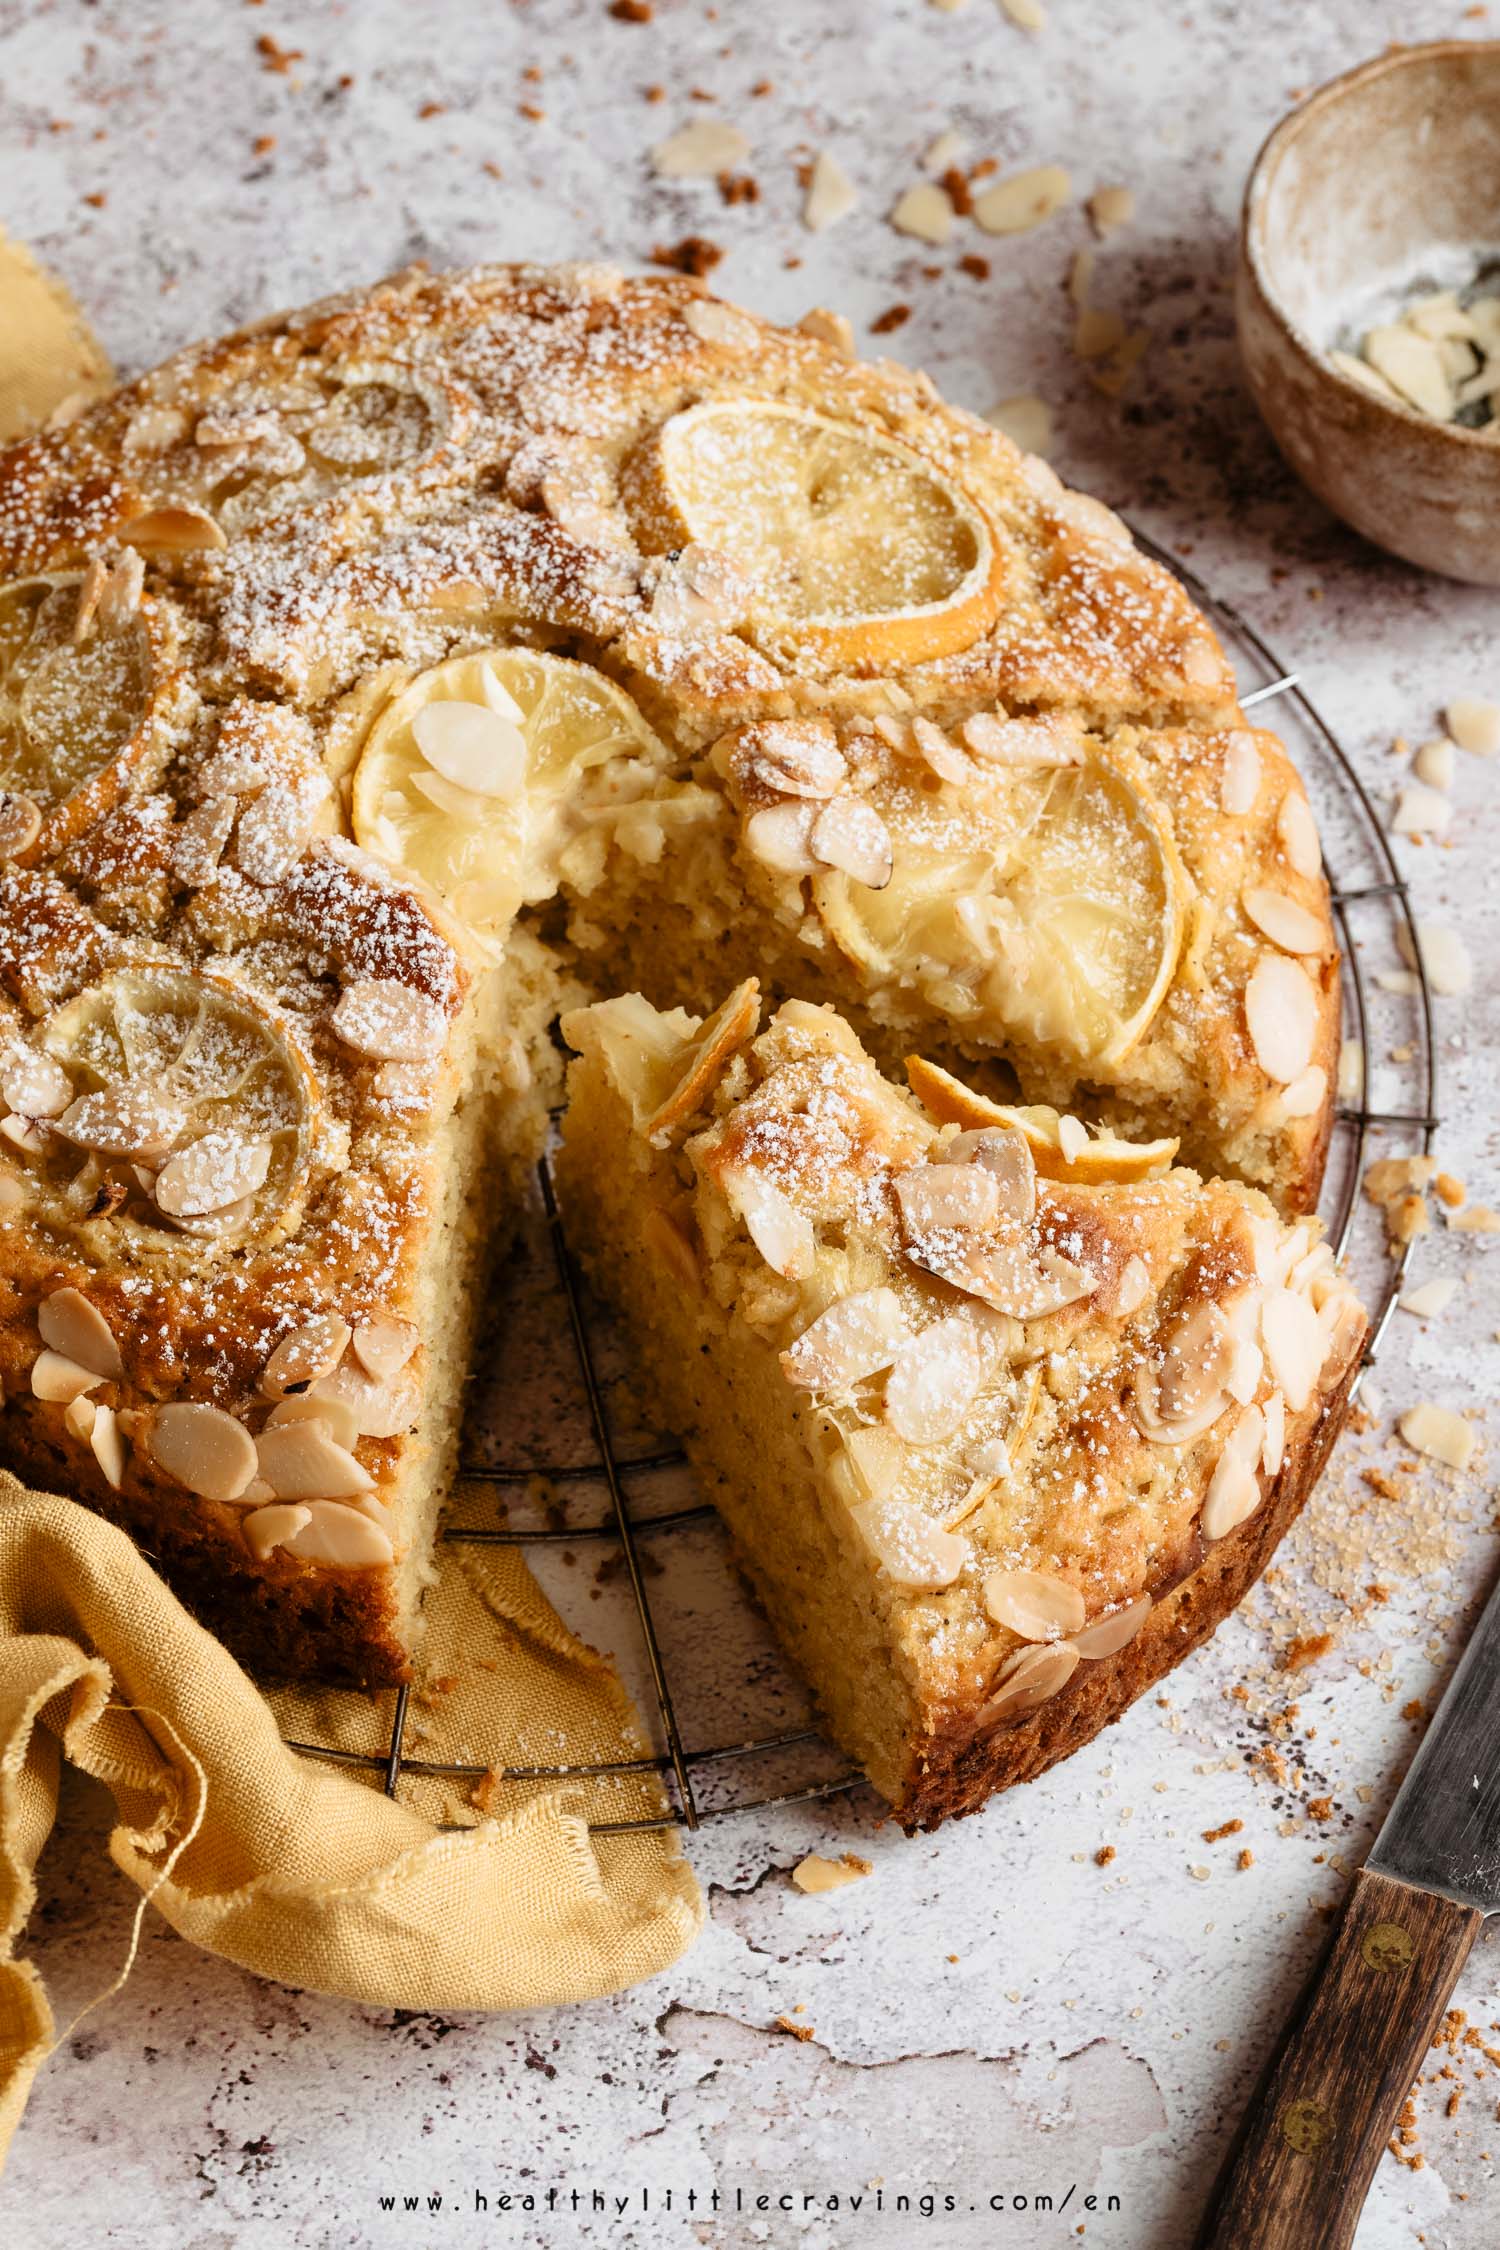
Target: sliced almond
815 1874
799 757
277 825
1109 1634
474 748
1297 832
35 1084
335 1415
384 1345
1429 1298
307 1354
269 1528
831 194
1422 812
1038 744
1306 1095
1434 763
1007 1276
1474 724
198 841
60 1380
830 328
1022 201
850 835
700 151
947 1195
940 752
1134 1287
77 1329
108 1446
1158 1429
1026 420
382 1017
78 1417
1442 952
781 1233
878 1459
1295 1345
131 1119
300 1461
1234 1488
1034 1604
1281 1016
908 1545
1439 1434
934 1382
778 837
1239 783
380 1409
716 323
20 822
210 1174
1284 921
203 1448
1195 1364
1111 207
1033 1677
926 212
856 1337
1072 1138
1006 1155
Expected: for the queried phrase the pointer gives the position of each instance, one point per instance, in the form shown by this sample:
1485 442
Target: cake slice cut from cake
1002 1415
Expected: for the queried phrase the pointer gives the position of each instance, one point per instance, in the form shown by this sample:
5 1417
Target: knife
1328 2100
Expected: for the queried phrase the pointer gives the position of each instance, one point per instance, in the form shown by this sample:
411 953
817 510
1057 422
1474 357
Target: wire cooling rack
1390 1098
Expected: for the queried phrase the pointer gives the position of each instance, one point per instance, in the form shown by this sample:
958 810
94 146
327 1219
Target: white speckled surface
1099 2026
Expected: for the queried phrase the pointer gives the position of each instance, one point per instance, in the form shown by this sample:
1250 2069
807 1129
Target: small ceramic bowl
1389 174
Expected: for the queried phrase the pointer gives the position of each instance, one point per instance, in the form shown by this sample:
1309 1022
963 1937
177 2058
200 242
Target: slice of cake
1003 1416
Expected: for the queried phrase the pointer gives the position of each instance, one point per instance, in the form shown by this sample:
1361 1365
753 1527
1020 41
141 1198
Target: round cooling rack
553 1473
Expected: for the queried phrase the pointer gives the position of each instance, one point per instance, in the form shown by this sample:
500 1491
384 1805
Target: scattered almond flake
1351 1079
1111 207
1475 1218
1439 1434
945 152
1449 1190
831 194
1097 331
1433 763
1026 15
1024 200
1358 371
1281 1014
1444 955
1421 812
1413 365
1201 1874
1403 982
382 1017
1081 277
925 211
1371 1396
1026 421
1474 725
700 151
1429 1298
20 822
818 1874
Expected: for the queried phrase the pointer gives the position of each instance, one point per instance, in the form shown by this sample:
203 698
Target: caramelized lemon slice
484 776
1101 1157
858 546
189 1109
71 708
1049 907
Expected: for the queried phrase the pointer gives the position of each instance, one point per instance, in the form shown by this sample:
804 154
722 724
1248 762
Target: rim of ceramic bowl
1253 227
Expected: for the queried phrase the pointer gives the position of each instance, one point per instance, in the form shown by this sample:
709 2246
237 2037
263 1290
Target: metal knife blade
1443 1831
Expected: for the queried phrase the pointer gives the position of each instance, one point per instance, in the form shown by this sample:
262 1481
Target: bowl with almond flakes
1368 301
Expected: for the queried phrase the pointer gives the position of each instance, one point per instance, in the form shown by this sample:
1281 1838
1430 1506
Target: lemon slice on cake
1050 907
171 1101
1061 1147
476 777
859 547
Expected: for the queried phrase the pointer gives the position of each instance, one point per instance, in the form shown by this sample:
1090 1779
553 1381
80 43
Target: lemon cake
1003 1415
382 680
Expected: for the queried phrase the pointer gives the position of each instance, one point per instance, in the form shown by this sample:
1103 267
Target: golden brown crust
960 1766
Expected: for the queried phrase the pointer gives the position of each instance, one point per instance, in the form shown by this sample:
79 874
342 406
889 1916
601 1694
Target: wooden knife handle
1330 2097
